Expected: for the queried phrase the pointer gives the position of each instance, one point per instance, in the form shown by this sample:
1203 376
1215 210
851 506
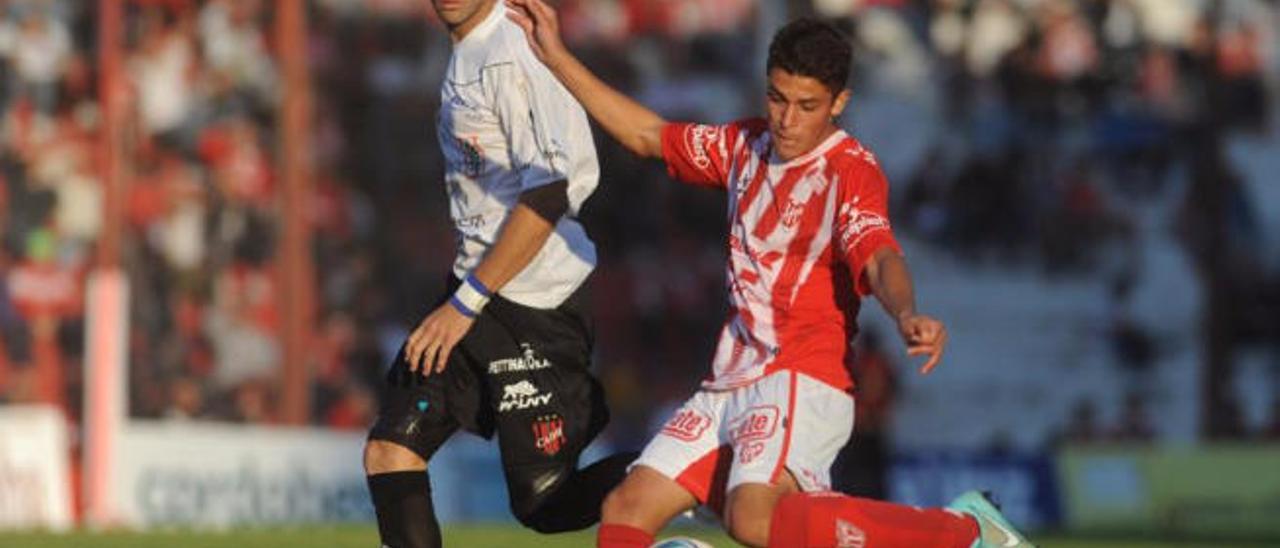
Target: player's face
802 112
462 14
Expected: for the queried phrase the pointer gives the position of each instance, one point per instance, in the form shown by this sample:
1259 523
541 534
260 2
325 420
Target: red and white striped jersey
800 233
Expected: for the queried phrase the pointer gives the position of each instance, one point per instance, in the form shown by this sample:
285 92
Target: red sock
838 521
612 535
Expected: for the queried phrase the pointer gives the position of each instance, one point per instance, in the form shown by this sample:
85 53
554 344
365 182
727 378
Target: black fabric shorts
520 372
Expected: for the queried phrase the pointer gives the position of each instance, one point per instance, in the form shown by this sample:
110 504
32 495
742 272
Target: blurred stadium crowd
1055 120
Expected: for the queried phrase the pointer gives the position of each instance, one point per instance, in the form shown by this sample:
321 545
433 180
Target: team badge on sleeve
857 223
548 434
699 139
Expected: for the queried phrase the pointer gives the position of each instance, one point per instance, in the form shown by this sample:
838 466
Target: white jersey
507 126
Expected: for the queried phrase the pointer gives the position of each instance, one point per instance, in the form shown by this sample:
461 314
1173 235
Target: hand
923 335
541 26
429 345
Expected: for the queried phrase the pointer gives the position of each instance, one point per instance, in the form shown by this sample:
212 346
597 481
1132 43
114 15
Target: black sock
406 518
576 504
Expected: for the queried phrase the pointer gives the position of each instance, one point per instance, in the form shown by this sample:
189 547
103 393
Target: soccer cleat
994 531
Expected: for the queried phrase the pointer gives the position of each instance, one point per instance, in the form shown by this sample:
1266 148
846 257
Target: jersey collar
822 148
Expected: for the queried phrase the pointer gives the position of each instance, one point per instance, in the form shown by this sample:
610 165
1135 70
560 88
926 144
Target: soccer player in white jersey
809 237
508 350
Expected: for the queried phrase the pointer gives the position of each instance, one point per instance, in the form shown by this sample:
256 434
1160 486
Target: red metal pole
296 271
111 139
107 294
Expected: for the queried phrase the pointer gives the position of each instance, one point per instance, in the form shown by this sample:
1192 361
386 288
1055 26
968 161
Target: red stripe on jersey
781 198
757 182
798 251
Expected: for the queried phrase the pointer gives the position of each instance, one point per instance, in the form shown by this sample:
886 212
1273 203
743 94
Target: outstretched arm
636 127
890 282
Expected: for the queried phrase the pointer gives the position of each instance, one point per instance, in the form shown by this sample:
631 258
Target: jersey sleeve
862 220
699 154
526 102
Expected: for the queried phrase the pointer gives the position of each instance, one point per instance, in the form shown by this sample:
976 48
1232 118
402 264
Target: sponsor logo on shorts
522 395
750 452
548 433
757 423
849 535
528 361
687 425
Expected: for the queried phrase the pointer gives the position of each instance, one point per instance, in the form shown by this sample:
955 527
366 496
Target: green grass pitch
471 536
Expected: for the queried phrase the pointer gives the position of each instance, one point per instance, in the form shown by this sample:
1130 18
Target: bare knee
749 511
381 457
749 526
646 500
622 505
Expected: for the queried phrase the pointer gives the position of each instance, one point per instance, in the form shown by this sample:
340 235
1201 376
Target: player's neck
460 31
821 140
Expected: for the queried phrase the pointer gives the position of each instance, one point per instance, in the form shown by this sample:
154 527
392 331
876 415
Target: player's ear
841 101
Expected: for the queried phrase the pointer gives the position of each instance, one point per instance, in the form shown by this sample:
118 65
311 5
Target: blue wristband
475 284
461 308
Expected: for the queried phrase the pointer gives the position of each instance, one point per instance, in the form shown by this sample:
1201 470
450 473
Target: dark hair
809 47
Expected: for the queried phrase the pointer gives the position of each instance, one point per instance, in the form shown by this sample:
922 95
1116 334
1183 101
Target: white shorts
721 439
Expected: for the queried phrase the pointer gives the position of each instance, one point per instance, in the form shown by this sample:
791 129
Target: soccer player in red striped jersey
809 238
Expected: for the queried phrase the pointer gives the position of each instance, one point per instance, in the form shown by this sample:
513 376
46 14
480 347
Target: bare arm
636 127
528 226
890 282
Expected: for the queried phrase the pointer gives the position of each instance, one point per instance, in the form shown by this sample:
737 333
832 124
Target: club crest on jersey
472 155
548 434
791 213
687 425
528 361
520 396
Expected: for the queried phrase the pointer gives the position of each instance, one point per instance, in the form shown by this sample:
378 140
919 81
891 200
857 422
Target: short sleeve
527 103
699 154
862 221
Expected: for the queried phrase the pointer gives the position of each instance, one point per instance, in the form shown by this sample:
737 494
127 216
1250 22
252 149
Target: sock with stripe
612 535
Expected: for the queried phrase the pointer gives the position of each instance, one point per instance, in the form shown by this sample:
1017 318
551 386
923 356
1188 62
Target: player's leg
750 508
685 464
548 408
541 446
416 416
640 507
793 506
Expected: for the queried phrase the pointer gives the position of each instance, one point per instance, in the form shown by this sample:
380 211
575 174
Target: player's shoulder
851 157
501 50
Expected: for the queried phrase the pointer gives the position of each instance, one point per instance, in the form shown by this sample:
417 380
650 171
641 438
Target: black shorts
519 371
